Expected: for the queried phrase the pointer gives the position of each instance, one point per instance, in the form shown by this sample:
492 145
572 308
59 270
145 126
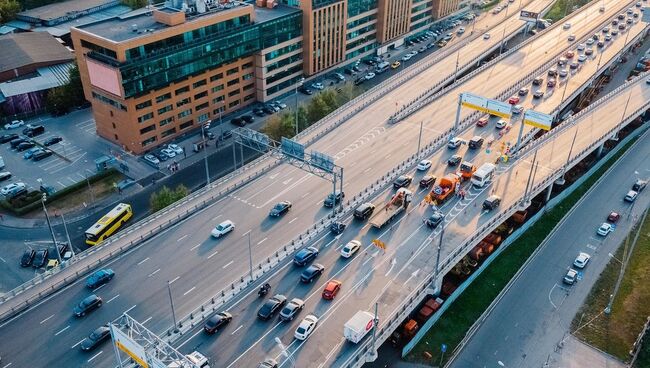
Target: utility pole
205 152
250 255
420 138
299 84
49 224
171 302
67 235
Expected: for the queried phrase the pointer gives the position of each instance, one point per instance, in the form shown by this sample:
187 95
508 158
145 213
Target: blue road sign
579 276
443 347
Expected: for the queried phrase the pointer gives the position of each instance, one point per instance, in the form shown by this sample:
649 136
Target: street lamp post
205 150
49 224
298 84
250 256
171 302
420 138
67 235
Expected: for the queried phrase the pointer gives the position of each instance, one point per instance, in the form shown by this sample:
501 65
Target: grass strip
461 315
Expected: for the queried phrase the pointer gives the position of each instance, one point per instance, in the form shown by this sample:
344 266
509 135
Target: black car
364 211
25 146
538 81
639 185
434 220
5 175
40 258
247 118
305 256
280 209
89 304
359 81
454 160
476 142
491 202
8 137
98 336
34 130
27 258
305 90
17 141
259 112
217 321
349 71
267 110
333 199
427 181
402 181
271 307
238 122
42 154
337 227
50 141
311 272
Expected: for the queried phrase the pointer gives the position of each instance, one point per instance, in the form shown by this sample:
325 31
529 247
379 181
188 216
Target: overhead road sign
129 346
292 148
538 119
528 16
492 107
322 161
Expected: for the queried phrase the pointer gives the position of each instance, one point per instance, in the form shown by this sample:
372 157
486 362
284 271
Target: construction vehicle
394 207
445 188
519 217
467 169
428 309
404 333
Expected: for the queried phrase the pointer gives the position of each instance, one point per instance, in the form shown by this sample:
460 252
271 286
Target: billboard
104 77
538 119
528 16
127 345
492 107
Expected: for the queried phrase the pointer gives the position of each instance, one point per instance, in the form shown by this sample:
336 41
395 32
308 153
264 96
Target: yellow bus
108 224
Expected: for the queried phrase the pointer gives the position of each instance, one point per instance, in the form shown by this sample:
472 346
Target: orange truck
467 169
445 188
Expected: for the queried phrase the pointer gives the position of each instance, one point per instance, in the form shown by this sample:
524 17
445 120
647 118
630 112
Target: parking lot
74 156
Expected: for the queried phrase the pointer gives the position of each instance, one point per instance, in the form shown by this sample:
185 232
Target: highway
533 320
200 266
388 278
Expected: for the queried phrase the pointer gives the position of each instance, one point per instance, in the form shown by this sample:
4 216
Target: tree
278 126
135 4
60 99
8 10
165 196
317 109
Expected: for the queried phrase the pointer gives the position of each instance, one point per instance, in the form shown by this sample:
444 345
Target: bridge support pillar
435 287
599 152
549 191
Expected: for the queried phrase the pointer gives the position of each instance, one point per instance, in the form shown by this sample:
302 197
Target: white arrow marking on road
287 181
65 328
392 264
237 329
414 274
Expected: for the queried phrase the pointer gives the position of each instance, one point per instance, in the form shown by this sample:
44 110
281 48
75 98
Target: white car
223 229
176 148
631 196
454 143
168 152
517 109
424 165
370 76
317 85
582 58
407 57
14 124
486 36
563 73
501 124
581 47
306 327
350 248
461 30
12 188
570 277
151 158
590 41
581 260
605 229
282 105
566 25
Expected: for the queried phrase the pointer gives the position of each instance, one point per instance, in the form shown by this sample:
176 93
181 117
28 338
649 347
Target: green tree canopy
8 10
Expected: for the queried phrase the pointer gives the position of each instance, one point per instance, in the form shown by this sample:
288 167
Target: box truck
358 326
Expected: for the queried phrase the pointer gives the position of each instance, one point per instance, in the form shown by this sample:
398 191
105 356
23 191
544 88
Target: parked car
581 260
605 229
27 257
53 140
5 175
42 154
14 124
8 137
613 217
40 258
30 152
570 277
33 130
317 85
25 146
639 185
630 196
151 159
239 121
178 150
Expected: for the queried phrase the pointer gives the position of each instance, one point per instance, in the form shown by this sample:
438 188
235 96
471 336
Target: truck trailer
358 326
390 210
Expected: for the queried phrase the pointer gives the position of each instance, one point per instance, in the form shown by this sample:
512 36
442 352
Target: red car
482 121
613 217
513 100
569 54
331 289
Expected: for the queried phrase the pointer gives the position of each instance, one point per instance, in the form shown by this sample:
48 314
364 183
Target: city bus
108 224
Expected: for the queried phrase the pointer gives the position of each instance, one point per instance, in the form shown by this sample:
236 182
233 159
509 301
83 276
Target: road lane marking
182 237
130 309
191 337
216 217
10 363
143 261
151 274
77 344
99 287
305 195
228 264
296 217
213 254
3 260
113 298
366 170
189 291
261 241
253 345
234 332
175 279
95 356
65 328
45 320
196 246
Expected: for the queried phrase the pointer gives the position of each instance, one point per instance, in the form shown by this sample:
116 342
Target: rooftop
70 8
30 48
266 14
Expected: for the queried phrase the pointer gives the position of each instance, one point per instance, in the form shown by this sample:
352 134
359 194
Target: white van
483 175
382 67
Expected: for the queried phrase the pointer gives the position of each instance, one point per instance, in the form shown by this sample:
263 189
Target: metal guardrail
415 297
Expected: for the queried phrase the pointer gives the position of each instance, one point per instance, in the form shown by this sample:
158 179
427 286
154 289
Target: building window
233 93
232 71
114 127
200 83
233 104
216 77
185 113
182 90
217 88
202 106
200 95
186 124
221 109
148 141
164 122
203 117
247 65
218 99
246 88
165 109
233 82
183 102
247 76
143 105
108 101
145 117
148 129
249 97
164 97
167 132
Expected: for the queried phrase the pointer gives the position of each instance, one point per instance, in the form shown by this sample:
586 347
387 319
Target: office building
155 74
442 8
